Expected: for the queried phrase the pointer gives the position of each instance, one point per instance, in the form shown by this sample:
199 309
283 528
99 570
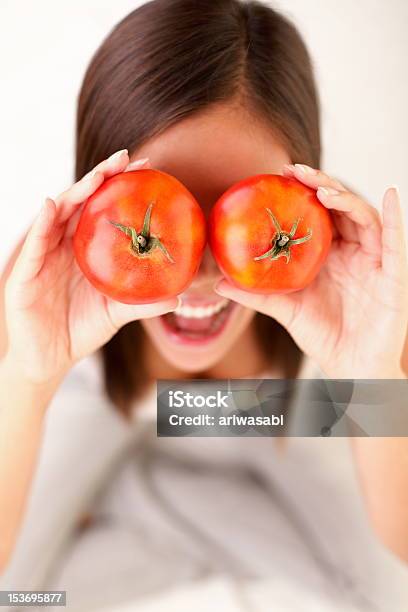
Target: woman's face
208 153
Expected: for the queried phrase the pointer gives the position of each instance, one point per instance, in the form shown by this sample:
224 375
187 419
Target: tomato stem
143 243
283 241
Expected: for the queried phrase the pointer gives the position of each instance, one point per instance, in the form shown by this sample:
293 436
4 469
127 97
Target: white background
359 48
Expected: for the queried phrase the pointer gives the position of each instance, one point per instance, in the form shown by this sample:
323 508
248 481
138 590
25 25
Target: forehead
214 149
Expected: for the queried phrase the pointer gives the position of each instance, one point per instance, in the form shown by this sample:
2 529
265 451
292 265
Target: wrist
17 384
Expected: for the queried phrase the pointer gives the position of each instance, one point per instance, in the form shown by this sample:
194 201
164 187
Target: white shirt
181 521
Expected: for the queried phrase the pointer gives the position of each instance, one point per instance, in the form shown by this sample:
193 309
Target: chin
197 336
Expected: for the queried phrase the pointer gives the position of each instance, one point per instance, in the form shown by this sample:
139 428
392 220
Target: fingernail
118 154
327 191
44 207
289 167
305 169
137 163
44 211
396 189
218 287
89 175
177 304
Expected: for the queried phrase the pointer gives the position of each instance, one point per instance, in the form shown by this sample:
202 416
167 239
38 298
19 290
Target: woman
211 92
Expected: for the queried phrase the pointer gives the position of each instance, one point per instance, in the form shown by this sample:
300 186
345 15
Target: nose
208 273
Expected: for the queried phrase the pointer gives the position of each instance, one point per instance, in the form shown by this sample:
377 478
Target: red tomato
140 237
270 234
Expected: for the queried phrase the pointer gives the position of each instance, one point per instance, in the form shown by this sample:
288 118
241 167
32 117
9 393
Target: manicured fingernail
116 155
89 175
44 207
327 191
289 167
305 169
137 163
219 286
396 189
44 212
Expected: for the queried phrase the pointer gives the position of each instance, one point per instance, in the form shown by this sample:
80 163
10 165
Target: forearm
382 467
22 409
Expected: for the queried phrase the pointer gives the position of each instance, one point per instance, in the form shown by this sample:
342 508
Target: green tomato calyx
283 241
142 242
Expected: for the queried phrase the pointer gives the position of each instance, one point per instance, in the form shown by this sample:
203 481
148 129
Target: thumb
121 314
281 307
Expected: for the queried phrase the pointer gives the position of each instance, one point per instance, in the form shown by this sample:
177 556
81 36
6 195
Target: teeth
199 312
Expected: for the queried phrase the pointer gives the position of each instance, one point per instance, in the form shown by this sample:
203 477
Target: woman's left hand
352 319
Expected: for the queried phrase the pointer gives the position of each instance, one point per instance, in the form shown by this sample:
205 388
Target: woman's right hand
54 316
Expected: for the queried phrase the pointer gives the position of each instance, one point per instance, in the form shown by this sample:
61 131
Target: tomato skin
240 229
104 253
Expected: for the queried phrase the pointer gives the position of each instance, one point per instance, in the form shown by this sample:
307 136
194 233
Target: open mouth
198 323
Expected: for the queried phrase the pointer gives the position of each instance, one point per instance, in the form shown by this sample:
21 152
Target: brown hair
169 59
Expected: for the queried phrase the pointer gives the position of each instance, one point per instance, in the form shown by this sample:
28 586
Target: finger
120 314
344 228
117 162
394 249
138 164
35 247
74 196
68 201
282 307
72 223
312 177
365 217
